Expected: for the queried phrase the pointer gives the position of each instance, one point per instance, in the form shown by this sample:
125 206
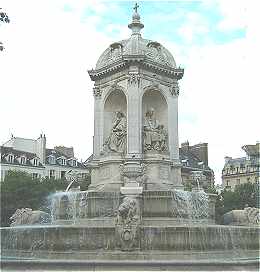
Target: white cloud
194 25
234 12
44 81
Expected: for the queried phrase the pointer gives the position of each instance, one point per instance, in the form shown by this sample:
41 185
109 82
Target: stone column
97 123
134 121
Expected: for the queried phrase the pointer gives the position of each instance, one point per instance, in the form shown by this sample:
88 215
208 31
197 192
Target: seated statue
116 141
155 136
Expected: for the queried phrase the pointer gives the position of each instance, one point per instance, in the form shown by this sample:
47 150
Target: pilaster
134 121
97 123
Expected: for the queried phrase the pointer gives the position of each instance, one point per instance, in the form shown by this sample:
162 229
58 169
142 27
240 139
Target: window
10 158
52 174
84 175
52 160
62 174
238 181
63 161
227 183
34 175
23 160
35 162
74 163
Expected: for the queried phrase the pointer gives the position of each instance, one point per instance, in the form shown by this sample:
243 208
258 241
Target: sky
51 44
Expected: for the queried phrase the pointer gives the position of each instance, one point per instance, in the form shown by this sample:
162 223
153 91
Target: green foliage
244 194
20 190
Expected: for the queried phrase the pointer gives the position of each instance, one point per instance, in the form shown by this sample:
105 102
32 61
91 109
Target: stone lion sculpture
27 216
247 216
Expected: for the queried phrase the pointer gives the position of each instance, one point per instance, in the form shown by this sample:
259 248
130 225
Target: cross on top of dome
136 7
136 24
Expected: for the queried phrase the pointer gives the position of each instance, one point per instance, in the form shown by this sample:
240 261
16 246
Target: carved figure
127 211
117 139
253 215
127 224
27 216
155 136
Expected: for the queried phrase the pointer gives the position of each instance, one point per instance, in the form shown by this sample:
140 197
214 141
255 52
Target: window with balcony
23 160
35 162
62 174
10 158
52 174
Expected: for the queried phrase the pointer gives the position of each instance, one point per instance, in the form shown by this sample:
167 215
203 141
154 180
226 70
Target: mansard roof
57 154
5 151
192 161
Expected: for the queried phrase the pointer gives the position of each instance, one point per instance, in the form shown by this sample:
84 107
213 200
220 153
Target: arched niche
115 101
155 99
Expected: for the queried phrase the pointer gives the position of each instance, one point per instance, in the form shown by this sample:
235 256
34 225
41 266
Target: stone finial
136 24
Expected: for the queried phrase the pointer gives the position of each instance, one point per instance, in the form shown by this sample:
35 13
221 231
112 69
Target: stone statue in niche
155 135
116 141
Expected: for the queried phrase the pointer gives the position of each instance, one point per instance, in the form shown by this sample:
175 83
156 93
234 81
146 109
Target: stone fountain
135 211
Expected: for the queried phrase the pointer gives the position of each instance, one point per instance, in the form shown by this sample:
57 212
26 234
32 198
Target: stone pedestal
129 212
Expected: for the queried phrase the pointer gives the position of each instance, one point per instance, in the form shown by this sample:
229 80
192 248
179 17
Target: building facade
195 159
238 171
32 156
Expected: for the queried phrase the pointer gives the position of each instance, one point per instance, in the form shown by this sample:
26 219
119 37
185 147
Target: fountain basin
50 240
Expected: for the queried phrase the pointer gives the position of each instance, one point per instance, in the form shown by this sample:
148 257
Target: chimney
67 151
185 146
41 148
227 159
201 151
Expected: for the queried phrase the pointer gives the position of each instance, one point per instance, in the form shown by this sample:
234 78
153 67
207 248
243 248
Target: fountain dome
136 48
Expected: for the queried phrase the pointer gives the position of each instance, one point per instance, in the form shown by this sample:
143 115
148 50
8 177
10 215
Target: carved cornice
176 73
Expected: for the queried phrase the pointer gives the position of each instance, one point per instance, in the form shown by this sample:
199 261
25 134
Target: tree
3 19
20 190
244 194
